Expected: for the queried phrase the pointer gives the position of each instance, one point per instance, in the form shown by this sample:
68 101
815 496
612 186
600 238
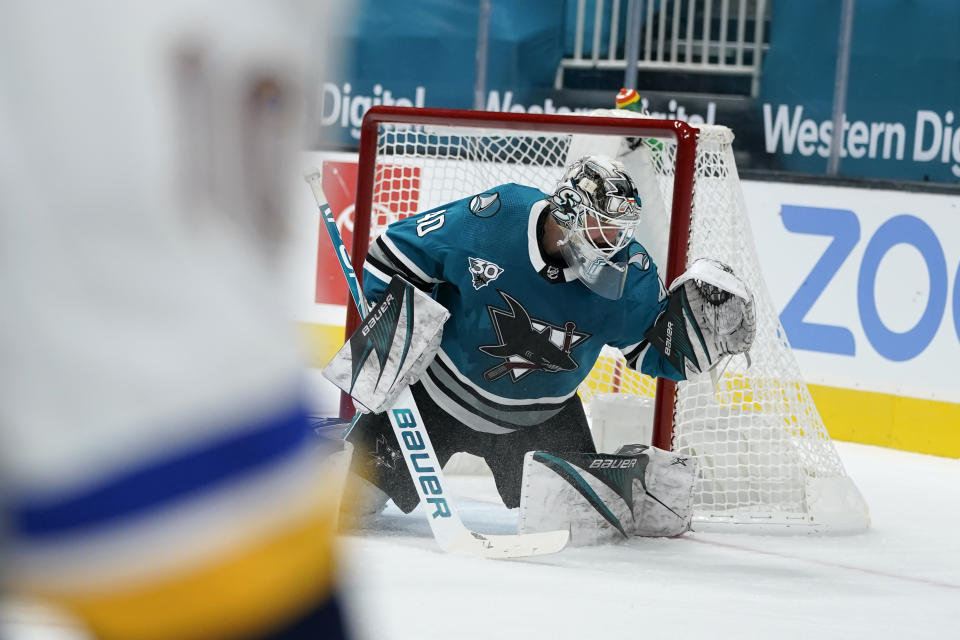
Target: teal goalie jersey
523 332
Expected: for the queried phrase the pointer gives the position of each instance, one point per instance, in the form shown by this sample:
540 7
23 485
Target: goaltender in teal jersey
536 284
523 331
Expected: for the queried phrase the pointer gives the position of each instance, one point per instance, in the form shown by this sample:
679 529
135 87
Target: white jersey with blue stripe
523 331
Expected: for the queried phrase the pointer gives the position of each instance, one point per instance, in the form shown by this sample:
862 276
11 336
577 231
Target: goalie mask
597 205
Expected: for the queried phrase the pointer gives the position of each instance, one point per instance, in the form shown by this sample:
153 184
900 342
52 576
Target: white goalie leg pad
607 497
558 493
663 505
391 348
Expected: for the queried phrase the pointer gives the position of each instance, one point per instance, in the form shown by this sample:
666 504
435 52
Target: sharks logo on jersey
527 344
639 258
485 205
483 272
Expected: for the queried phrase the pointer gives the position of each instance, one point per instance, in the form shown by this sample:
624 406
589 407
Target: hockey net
765 455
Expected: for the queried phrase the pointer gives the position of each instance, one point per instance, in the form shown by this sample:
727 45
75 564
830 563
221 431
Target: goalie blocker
602 497
391 348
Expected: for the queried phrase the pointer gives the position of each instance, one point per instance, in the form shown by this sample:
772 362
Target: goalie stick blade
507 546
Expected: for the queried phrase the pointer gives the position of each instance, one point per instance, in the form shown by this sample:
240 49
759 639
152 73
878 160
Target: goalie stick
425 470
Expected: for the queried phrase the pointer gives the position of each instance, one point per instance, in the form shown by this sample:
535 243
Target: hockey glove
709 315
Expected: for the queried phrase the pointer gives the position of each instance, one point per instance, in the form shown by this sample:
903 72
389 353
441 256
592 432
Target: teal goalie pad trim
619 479
696 327
616 471
566 471
669 334
378 330
408 300
680 338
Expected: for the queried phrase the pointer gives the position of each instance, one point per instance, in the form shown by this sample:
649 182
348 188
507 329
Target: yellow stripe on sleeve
249 592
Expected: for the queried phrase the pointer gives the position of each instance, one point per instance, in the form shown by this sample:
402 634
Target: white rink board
902 283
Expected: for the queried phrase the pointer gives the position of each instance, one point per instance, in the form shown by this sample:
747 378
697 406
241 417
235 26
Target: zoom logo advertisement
904 274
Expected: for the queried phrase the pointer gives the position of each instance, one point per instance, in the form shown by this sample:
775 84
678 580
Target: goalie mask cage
766 460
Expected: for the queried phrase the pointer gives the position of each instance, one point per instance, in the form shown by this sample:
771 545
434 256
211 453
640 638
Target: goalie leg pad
391 348
663 503
607 497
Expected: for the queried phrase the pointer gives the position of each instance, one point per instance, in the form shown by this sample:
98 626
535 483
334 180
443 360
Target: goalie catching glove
392 347
710 315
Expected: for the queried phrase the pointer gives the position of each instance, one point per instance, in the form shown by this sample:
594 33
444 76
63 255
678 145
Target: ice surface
900 579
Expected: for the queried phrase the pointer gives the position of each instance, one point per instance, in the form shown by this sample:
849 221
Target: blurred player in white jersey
158 475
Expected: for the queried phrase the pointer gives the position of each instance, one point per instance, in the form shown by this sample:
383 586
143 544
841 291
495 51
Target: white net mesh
758 435
419 168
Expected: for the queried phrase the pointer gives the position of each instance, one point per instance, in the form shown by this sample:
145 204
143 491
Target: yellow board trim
323 341
909 424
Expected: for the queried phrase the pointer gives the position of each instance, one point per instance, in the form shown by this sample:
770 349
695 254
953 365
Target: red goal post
680 132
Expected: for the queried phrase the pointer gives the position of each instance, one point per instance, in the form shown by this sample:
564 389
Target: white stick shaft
424 468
